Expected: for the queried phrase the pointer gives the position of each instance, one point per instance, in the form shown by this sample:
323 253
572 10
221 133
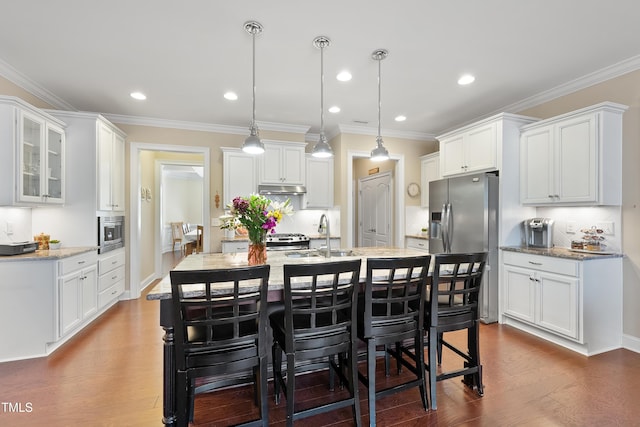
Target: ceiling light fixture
138 95
334 109
252 144
231 96
379 153
322 147
400 118
344 76
466 79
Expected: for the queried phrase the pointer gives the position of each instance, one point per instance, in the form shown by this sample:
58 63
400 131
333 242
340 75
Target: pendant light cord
322 89
253 117
379 97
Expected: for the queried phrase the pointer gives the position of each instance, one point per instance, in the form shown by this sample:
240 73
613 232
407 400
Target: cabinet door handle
114 262
535 263
81 262
114 277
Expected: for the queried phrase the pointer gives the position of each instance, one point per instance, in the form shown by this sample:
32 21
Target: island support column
169 362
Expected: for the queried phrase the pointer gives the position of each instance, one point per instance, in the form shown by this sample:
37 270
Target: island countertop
49 254
276 260
559 252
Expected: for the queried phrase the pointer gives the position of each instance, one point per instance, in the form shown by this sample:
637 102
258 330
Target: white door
375 199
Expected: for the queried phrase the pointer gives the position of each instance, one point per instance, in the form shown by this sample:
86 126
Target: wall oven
110 233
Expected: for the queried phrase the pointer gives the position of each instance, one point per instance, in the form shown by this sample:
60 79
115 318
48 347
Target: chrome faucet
324 226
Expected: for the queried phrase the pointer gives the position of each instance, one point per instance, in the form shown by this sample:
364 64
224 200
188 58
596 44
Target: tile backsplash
581 218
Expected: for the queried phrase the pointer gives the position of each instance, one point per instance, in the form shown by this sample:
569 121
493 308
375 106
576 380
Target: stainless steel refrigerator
463 217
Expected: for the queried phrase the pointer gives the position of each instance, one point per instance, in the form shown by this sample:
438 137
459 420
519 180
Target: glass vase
257 254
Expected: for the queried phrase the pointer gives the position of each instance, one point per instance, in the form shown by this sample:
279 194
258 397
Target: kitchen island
276 259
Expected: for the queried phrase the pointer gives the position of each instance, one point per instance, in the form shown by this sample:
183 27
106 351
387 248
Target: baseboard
631 343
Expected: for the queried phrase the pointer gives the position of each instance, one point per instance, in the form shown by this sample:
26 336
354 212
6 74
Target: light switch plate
605 226
571 227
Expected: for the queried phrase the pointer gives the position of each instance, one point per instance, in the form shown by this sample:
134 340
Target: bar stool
390 313
317 323
453 306
220 330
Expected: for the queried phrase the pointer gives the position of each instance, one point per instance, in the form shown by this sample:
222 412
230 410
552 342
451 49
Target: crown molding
616 70
362 130
19 79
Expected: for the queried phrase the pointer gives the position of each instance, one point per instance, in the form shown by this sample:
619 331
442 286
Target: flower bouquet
259 216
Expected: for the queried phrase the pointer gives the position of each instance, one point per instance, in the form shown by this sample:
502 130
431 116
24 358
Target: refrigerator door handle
450 228
445 227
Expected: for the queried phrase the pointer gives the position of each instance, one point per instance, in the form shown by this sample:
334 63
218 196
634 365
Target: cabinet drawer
544 263
110 278
419 244
109 294
107 263
228 247
78 262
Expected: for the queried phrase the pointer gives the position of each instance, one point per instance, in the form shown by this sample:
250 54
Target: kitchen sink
301 254
337 253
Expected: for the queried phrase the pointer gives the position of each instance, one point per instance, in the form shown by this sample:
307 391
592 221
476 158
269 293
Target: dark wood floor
111 375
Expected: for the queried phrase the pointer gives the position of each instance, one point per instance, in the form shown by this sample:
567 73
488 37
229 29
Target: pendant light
252 144
379 153
322 147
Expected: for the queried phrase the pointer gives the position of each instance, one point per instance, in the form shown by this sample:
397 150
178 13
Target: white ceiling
89 55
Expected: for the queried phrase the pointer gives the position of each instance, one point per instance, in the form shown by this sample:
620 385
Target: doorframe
135 282
399 205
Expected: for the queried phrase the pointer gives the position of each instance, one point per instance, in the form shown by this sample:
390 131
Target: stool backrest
455 287
220 316
320 303
394 294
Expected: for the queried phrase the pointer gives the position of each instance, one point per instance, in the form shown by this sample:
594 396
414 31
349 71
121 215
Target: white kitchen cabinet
282 163
33 165
110 168
573 159
77 291
471 150
229 247
240 174
319 182
111 277
573 303
417 243
429 171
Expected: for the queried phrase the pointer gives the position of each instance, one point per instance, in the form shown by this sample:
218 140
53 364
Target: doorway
145 252
398 225
375 201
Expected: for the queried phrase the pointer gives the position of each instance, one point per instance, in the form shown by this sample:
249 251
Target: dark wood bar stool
453 306
391 312
317 323
220 332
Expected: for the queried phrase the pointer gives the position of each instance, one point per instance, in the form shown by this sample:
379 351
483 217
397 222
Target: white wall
19 219
416 218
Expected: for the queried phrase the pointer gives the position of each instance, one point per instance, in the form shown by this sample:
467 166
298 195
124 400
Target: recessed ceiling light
231 96
344 76
466 79
401 118
138 95
334 109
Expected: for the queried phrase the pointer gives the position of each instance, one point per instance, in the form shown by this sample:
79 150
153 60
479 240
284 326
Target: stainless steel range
287 242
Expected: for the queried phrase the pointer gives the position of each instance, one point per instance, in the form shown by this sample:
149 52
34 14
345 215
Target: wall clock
413 189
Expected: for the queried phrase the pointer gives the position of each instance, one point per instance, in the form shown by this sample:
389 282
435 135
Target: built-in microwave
110 233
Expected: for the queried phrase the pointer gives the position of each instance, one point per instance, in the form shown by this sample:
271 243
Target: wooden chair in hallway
452 305
177 235
219 332
199 233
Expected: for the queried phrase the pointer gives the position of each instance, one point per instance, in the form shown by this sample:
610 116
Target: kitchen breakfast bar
276 259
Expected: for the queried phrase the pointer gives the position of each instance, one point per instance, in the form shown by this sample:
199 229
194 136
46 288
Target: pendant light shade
252 144
379 153
322 147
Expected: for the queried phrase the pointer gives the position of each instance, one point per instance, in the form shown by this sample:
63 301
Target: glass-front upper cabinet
41 162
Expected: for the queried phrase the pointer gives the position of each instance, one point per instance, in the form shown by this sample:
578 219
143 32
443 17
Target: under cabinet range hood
282 189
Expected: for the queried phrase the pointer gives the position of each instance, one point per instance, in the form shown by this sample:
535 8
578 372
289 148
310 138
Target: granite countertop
245 238
321 236
563 253
418 236
48 254
235 239
276 260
